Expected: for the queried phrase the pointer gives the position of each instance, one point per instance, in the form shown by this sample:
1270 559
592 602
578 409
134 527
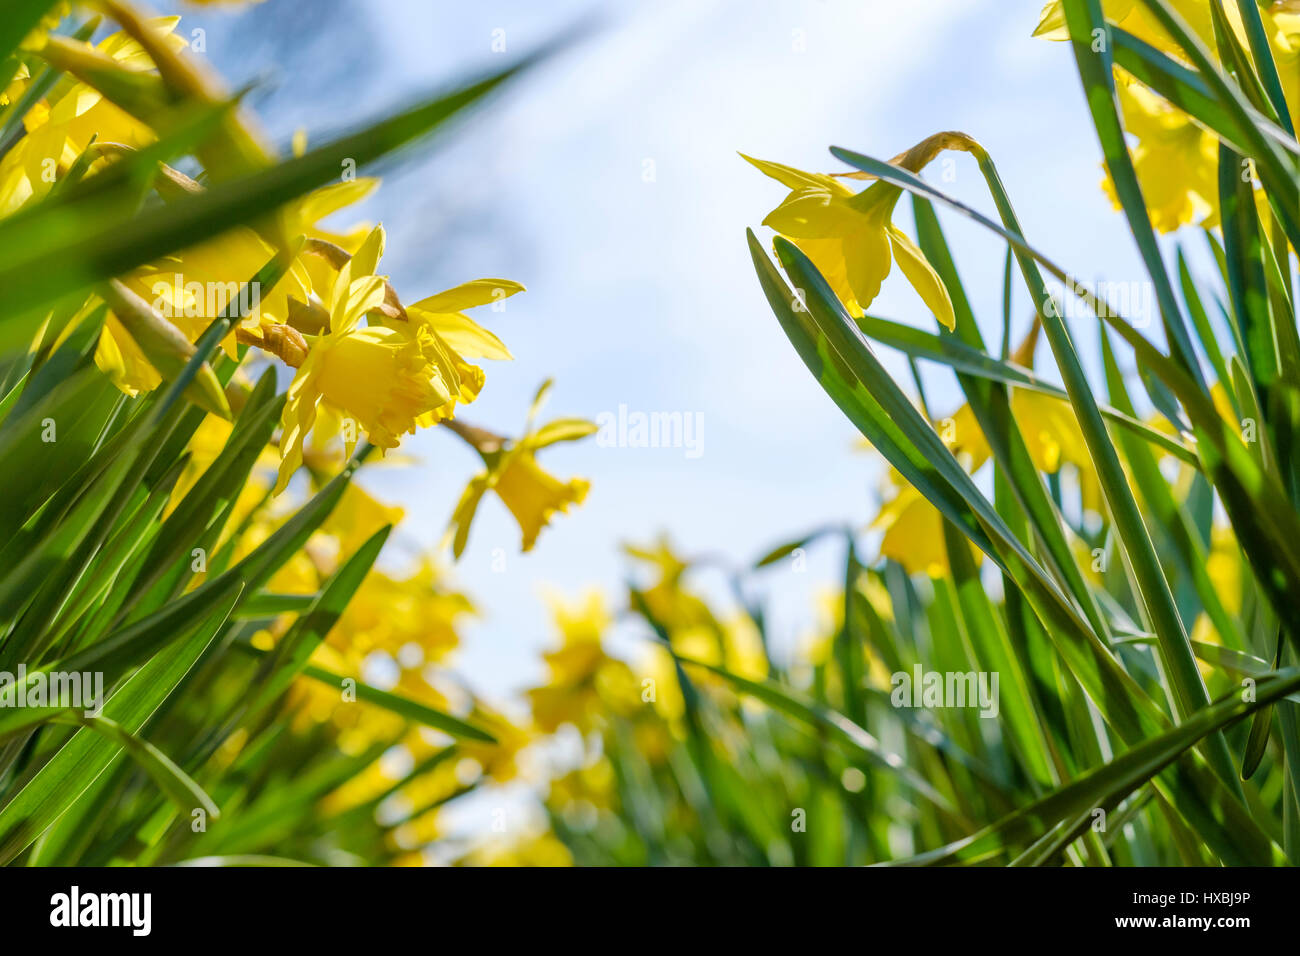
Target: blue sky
640 289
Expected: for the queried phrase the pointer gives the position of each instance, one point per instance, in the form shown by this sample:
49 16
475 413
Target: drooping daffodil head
532 495
851 239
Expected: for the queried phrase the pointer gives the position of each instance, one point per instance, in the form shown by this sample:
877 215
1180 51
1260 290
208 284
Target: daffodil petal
463 334
467 295
797 178
923 278
562 429
812 213
466 508
363 295
866 263
330 199
366 259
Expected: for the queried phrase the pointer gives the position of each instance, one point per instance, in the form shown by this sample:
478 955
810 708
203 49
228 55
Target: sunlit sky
607 181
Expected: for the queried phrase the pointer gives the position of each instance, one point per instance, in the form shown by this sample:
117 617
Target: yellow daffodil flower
1176 161
122 360
59 131
913 534
913 528
533 495
382 378
1131 16
442 317
583 683
669 601
357 517
850 238
396 614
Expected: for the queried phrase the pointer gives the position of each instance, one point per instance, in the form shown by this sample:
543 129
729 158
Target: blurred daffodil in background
1176 158
532 494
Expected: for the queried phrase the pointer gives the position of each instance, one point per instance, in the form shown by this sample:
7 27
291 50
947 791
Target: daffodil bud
285 343
165 347
143 95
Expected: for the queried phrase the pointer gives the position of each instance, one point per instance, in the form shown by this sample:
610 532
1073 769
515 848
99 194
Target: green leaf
48 793
21 18
171 779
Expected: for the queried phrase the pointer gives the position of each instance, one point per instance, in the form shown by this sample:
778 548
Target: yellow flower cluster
367 366
531 494
1177 161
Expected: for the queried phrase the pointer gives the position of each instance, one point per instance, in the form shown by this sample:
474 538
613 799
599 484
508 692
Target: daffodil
407 622
583 682
122 360
913 534
357 517
406 368
201 283
382 378
850 238
196 285
399 615
1052 438
442 317
1132 16
1176 161
326 201
191 287
60 128
444 313
301 574
532 494
913 527
694 630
